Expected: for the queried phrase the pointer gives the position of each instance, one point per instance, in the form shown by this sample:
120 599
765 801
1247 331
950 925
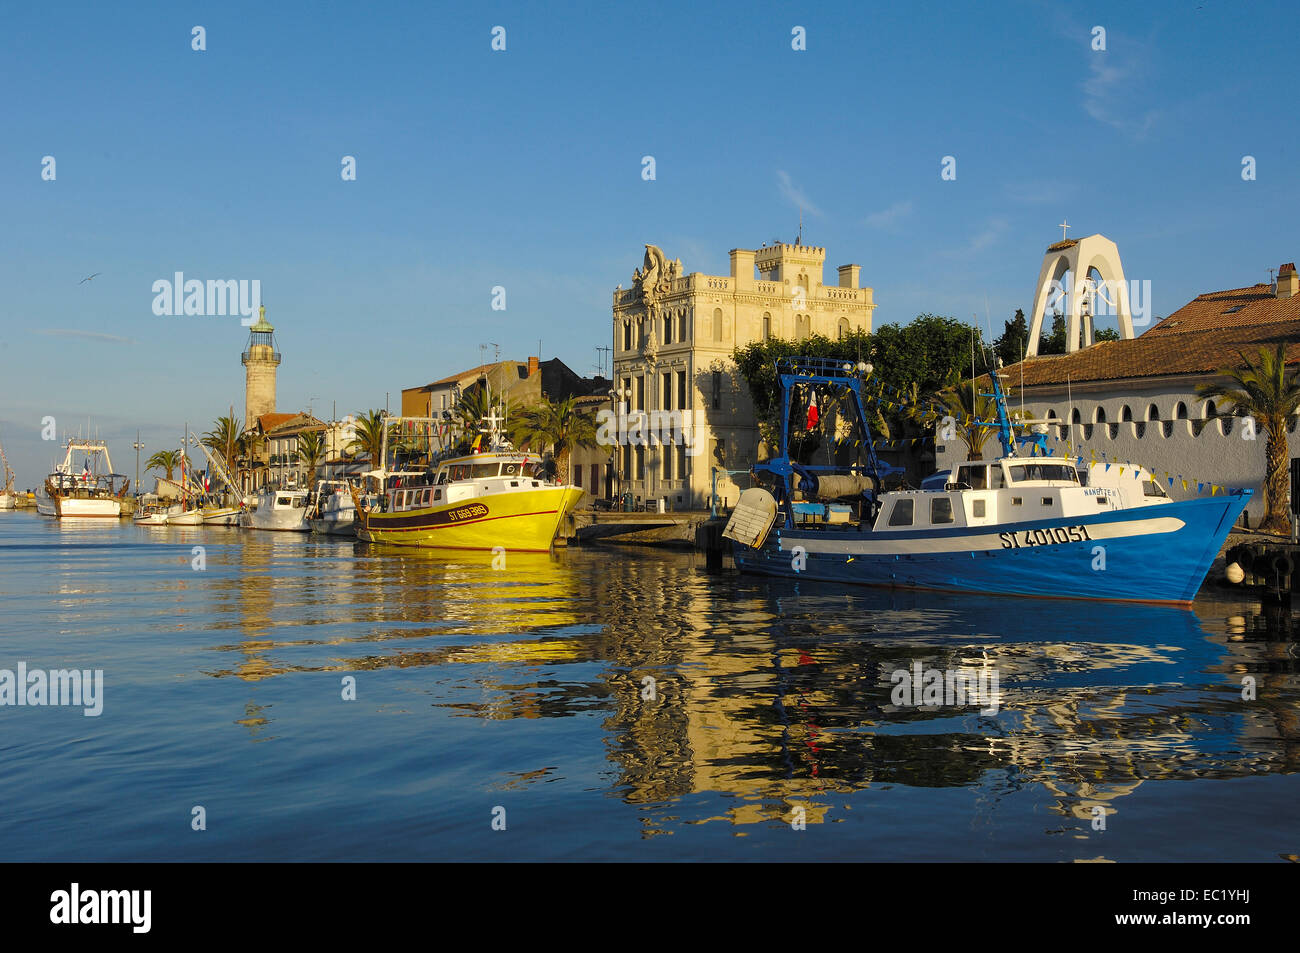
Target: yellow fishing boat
480 501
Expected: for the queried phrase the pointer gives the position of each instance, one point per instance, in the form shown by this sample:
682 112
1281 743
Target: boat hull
1150 554
223 516
6 501
527 521
286 521
185 518
93 507
329 527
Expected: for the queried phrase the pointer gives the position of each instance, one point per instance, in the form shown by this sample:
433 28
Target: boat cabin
461 479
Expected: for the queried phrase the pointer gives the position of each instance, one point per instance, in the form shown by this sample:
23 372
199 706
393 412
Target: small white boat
331 510
277 509
8 497
184 514
152 513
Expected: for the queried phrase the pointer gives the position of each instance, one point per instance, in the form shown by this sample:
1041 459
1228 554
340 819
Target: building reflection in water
773 694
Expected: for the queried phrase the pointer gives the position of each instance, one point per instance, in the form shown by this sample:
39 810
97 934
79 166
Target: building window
627 335
767 326
640 393
668 461
844 328
717 324
666 396
668 329
681 463
681 390
717 390
625 471
640 463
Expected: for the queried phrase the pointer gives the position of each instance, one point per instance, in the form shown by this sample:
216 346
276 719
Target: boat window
426 498
901 514
482 470
1152 488
1016 501
977 509
437 494
975 477
1043 471
281 501
509 469
996 480
460 472
1047 501
941 509
299 502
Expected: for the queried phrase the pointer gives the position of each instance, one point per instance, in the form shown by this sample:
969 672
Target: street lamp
137 446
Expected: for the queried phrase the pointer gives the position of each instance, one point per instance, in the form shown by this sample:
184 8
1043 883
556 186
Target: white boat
150 513
8 496
221 515
87 493
184 514
276 508
331 509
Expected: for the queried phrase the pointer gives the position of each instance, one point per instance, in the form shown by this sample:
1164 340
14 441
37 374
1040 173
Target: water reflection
772 693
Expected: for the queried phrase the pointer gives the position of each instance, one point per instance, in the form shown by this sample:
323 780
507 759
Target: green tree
167 460
311 450
1104 334
1263 389
223 440
555 424
370 436
1055 343
1011 346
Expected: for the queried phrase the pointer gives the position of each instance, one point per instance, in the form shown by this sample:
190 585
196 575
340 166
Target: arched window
844 328
717 324
767 326
1125 413
1180 411
1099 415
1153 412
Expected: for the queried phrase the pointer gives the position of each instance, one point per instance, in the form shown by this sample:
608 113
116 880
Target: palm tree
557 424
472 406
223 439
167 460
247 446
370 436
972 410
311 449
1263 390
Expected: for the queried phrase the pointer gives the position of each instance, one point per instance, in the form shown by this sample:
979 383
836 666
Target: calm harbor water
521 688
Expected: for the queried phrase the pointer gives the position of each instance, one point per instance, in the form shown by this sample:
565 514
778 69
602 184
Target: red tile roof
1203 336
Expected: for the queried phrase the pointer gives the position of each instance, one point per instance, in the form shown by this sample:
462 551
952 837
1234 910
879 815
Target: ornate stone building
674 335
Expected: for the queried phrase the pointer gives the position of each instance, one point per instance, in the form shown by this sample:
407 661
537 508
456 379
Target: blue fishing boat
1026 523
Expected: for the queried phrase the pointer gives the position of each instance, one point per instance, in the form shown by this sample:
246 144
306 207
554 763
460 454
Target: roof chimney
533 364
1288 286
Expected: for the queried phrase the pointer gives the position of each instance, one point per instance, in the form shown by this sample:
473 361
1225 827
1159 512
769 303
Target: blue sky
522 168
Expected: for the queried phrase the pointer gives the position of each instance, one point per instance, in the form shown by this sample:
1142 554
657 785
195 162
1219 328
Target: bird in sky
95 275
